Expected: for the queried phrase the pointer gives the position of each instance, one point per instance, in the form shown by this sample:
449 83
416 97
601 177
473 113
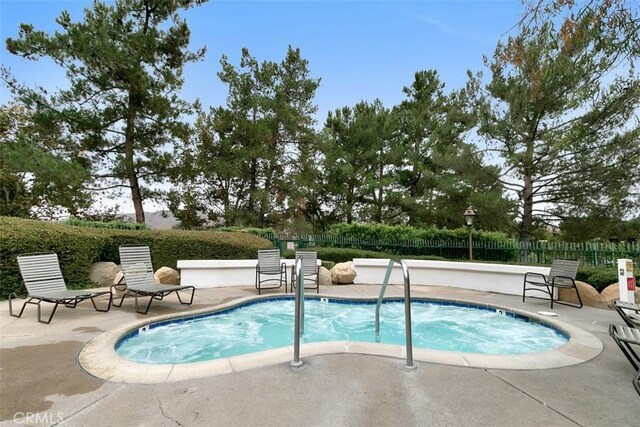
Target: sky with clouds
361 49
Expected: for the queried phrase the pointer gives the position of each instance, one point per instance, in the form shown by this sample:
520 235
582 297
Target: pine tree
124 64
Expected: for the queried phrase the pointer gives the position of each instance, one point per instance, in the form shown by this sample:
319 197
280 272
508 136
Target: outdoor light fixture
469 216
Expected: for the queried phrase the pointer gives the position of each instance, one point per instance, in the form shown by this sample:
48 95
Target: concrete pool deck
41 382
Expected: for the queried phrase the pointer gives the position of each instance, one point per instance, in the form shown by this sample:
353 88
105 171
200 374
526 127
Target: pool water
269 324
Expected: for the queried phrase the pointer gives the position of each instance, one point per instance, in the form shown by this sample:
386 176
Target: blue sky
361 50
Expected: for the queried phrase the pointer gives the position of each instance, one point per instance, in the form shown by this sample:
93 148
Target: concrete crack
165 415
108 395
543 403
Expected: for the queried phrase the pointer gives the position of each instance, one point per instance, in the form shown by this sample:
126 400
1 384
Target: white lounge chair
625 336
630 312
44 282
140 281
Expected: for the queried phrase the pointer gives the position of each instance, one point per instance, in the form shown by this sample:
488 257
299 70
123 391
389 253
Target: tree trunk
527 209
526 228
413 188
378 217
253 179
349 203
136 197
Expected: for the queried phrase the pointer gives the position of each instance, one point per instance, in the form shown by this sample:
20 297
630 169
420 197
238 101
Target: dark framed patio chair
140 281
44 282
309 270
625 337
274 271
562 275
630 312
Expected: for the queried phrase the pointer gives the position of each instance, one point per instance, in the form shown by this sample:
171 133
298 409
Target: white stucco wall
505 279
214 273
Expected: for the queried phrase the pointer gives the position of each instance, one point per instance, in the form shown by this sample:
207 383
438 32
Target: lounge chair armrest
119 286
531 273
571 279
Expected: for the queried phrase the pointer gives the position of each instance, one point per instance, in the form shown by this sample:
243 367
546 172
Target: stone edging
99 358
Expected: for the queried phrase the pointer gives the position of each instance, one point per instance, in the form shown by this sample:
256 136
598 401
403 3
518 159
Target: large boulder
324 277
103 273
612 293
167 276
343 273
588 294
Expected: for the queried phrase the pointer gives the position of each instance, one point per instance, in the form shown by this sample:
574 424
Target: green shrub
78 248
409 242
265 233
328 264
428 258
113 225
337 255
601 277
385 232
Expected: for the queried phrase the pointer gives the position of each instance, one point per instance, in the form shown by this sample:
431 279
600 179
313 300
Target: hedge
601 277
597 277
336 255
410 242
79 247
114 225
383 232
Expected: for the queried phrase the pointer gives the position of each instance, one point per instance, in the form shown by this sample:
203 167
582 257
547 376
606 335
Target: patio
42 383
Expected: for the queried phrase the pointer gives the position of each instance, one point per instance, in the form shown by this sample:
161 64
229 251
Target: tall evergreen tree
562 110
38 176
243 159
124 65
440 173
357 155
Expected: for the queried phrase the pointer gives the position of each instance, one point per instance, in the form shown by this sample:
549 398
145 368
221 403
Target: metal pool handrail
298 325
407 306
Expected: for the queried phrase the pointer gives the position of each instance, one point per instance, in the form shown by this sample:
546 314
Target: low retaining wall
500 278
504 279
216 273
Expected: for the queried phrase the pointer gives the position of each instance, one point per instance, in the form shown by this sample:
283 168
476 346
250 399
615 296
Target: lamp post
469 216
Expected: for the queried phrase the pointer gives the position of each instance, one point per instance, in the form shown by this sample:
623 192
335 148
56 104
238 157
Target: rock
324 277
167 276
612 293
343 273
589 295
103 273
119 279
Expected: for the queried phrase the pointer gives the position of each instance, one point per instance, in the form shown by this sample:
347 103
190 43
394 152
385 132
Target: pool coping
100 359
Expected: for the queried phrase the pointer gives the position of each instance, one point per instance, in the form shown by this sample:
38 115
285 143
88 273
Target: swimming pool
100 359
268 324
